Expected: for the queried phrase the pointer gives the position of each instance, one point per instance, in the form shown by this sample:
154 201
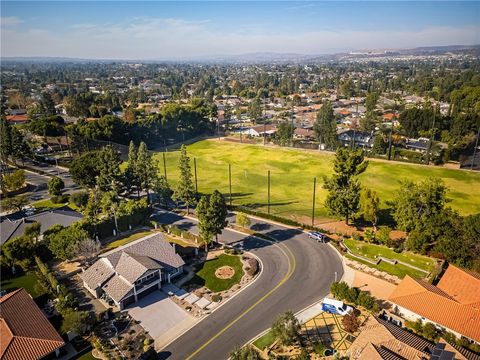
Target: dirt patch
224 272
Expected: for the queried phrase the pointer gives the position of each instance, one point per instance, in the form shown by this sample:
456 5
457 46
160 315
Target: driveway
161 317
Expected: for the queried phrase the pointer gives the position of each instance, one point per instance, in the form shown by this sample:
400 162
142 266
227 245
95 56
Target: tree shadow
260 226
260 205
385 217
283 234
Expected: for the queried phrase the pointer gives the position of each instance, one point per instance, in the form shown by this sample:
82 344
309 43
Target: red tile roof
438 306
462 285
17 118
26 334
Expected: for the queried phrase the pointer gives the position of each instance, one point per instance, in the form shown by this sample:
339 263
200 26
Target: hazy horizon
175 30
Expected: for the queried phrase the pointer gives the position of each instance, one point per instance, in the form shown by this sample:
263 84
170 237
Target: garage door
128 301
146 292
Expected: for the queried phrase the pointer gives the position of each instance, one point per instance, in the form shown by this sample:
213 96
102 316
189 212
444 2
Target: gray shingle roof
154 247
12 226
117 288
133 266
97 274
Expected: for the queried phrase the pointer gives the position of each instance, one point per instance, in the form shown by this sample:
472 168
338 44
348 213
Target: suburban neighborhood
240 180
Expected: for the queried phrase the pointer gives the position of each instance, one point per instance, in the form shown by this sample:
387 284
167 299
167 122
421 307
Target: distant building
452 305
130 272
305 134
420 145
362 139
260 130
26 334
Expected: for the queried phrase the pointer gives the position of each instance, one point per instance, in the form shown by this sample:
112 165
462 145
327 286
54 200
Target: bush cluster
353 295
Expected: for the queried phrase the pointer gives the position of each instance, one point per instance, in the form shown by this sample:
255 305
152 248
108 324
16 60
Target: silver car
317 236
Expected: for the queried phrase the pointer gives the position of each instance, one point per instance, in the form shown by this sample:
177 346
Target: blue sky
160 30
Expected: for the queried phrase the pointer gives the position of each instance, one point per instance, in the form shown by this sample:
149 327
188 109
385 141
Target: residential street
296 273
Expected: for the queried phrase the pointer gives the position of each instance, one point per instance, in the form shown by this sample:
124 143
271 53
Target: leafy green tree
109 204
162 189
131 172
109 169
33 230
205 221
80 199
284 133
255 110
243 220
325 127
145 169
371 101
370 206
75 321
368 122
416 202
351 323
343 187
379 145
19 251
55 186
219 212
286 328
62 244
14 203
86 168
185 190
13 181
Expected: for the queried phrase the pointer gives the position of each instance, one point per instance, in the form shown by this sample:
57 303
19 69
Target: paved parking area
161 317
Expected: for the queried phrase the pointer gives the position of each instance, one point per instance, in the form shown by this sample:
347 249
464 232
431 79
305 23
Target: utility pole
195 173
313 200
230 182
268 202
475 149
164 167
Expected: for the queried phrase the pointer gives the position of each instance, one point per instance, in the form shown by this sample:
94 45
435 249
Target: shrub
369 236
286 329
60 199
216 298
55 186
80 199
350 322
383 235
319 348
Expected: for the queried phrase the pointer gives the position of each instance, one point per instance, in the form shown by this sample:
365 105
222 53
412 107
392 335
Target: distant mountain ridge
273 57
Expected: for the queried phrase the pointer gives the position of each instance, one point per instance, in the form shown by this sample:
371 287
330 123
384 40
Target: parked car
315 235
333 306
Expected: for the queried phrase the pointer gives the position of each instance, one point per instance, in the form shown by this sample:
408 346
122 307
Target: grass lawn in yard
264 341
47 204
126 240
206 275
87 356
372 250
292 172
26 281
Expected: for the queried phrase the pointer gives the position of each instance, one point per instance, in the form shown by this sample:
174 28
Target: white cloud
161 38
10 21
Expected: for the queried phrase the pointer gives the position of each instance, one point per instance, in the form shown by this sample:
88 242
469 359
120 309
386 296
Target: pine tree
185 190
131 170
109 169
343 187
325 126
219 213
205 221
369 204
145 169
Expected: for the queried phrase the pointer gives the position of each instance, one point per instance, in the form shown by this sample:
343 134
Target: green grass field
371 251
264 341
292 173
26 281
206 275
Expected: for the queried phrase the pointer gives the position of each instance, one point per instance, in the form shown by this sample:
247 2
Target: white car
315 235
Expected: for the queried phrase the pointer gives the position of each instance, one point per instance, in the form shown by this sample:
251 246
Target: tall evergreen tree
343 187
325 126
131 170
219 212
185 190
205 221
145 169
109 169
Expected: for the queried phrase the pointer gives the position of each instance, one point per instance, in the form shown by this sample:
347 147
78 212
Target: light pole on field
268 206
230 182
195 173
164 167
313 200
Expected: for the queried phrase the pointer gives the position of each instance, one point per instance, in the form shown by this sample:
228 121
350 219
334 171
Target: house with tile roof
380 339
130 272
25 332
452 305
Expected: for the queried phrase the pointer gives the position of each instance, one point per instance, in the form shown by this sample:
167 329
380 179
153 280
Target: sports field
292 173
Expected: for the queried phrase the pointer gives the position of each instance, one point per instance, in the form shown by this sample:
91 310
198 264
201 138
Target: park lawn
126 240
292 172
206 275
264 341
26 281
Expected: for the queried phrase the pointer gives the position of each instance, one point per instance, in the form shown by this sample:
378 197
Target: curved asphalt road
297 272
